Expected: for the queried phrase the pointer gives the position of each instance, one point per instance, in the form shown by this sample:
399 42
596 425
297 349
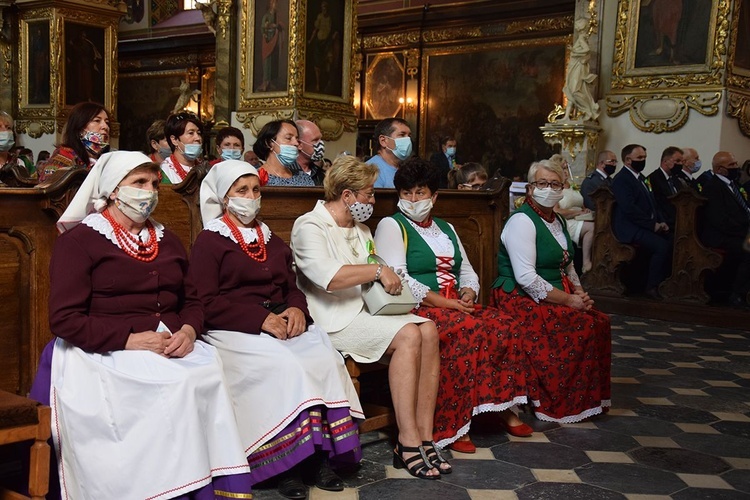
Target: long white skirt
133 424
272 380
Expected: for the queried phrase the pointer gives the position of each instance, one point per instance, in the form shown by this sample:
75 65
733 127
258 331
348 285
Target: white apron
136 425
272 380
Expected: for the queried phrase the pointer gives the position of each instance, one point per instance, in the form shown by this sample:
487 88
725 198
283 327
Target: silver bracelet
378 272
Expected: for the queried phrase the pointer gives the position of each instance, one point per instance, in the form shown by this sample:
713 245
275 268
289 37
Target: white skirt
272 380
367 337
135 425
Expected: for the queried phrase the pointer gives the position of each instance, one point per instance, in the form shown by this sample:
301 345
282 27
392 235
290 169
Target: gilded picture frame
663 45
328 51
385 81
38 48
739 51
514 85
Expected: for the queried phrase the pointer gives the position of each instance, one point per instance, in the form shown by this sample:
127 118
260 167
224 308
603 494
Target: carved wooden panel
13 292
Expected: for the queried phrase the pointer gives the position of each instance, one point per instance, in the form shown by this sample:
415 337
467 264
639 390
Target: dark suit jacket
725 222
662 191
635 208
440 162
705 178
590 184
689 181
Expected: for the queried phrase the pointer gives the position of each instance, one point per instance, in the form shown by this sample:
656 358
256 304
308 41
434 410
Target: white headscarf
104 177
216 184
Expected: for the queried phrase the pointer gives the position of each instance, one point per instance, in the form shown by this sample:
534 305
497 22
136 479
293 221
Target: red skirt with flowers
568 355
481 367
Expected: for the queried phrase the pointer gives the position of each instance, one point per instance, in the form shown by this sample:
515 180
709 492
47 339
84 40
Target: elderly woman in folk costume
281 368
131 388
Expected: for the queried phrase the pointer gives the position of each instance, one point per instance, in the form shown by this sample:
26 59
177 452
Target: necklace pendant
355 252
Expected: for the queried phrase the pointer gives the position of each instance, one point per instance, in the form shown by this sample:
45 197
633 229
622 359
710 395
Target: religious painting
85 65
670 44
38 63
325 54
143 98
270 46
384 85
741 55
493 98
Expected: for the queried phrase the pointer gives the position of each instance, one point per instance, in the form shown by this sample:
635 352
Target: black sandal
417 466
436 458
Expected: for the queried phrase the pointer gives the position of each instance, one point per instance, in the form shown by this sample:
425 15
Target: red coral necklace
131 244
257 250
181 172
549 218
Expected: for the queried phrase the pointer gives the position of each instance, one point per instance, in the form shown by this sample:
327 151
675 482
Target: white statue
186 94
578 79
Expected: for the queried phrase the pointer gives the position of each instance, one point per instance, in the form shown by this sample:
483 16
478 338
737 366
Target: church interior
511 82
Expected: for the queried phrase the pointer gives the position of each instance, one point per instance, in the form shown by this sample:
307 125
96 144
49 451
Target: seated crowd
233 360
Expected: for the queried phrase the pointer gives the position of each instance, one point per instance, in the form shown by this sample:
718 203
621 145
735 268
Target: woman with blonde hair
331 247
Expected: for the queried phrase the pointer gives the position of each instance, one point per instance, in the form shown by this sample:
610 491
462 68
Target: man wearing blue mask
445 159
311 150
393 136
691 165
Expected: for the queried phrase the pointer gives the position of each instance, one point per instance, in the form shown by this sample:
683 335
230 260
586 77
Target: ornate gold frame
738 80
457 49
32 117
626 78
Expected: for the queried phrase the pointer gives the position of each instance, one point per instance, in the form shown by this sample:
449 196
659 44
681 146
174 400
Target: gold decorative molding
575 139
35 128
332 127
254 121
701 77
396 40
663 112
176 62
738 78
738 106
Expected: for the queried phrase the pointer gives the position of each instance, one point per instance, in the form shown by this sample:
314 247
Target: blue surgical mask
6 140
231 154
165 152
192 151
450 152
696 167
287 154
403 147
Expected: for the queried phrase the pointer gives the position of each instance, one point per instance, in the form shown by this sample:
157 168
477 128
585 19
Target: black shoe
291 485
326 479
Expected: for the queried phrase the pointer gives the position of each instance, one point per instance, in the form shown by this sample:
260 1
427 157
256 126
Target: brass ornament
663 112
35 129
738 106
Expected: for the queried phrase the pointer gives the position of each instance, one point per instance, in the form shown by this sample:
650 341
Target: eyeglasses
475 187
370 196
556 186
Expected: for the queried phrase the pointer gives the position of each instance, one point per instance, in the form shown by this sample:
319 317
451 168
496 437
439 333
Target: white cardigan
320 250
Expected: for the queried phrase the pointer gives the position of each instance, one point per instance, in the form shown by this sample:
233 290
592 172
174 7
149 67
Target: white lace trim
419 290
433 231
473 284
538 289
573 276
249 234
98 223
571 419
494 407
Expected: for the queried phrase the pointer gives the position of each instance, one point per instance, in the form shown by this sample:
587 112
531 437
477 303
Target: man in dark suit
636 218
691 165
664 183
445 159
726 219
606 163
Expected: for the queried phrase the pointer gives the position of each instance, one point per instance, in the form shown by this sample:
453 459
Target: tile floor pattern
679 428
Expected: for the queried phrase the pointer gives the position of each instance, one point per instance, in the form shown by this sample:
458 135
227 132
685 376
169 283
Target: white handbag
380 303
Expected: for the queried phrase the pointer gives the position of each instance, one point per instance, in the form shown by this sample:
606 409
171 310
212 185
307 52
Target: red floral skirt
568 356
481 367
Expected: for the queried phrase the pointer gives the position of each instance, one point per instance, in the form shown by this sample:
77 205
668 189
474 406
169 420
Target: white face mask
416 210
547 197
361 211
245 209
135 203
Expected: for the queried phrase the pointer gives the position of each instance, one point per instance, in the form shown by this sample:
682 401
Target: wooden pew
27 234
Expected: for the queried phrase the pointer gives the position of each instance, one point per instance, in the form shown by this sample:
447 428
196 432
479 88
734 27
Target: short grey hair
547 165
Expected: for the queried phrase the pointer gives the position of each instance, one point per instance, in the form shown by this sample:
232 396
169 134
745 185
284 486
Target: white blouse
389 245
169 169
249 234
519 238
98 223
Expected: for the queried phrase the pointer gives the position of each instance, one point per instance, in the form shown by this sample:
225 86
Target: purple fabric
303 437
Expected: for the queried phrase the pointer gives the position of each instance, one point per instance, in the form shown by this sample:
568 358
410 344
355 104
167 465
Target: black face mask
638 165
676 169
609 169
733 174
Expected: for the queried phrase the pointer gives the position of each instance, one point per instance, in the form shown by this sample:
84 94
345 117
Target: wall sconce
357 93
410 100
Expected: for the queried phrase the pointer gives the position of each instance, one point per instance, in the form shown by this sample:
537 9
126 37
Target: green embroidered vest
420 259
549 254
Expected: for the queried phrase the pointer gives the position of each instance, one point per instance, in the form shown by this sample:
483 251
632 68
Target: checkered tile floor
679 428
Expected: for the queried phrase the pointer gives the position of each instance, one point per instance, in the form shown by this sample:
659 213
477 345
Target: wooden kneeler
22 419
